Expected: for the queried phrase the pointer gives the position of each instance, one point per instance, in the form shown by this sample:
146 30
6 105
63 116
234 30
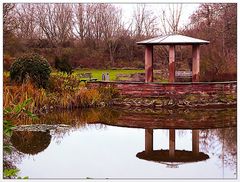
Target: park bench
84 77
183 75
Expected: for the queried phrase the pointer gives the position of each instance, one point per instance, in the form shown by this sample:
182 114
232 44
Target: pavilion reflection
172 156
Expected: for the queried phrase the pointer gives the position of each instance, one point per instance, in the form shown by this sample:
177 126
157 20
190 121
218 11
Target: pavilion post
195 142
171 77
171 142
149 63
148 140
195 62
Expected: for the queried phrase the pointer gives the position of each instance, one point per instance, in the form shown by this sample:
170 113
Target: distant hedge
33 67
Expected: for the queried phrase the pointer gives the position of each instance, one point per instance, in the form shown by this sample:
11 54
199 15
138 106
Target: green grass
97 73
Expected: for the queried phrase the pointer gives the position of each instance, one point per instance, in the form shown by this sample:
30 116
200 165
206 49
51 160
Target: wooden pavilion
172 41
173 94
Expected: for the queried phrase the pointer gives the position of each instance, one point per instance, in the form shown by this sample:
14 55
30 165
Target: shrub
62 64
33 67
108 93
62 82
87 98
7 61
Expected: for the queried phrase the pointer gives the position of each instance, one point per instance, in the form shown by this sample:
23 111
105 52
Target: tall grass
63 91
15 94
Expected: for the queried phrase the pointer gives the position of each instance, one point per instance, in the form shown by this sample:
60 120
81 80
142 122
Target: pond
120 143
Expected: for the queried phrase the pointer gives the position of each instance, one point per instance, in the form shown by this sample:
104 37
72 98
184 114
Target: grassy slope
112 73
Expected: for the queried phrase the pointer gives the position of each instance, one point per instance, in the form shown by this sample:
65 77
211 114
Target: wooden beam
148 140
195 63
171 142
171 77
149 63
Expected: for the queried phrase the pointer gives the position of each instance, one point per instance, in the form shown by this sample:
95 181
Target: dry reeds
64 91
15 94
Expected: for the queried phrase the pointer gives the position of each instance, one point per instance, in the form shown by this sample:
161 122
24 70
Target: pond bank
189 101
41 127
181 118
157 95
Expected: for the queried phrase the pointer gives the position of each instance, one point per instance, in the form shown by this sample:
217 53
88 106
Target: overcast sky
187 10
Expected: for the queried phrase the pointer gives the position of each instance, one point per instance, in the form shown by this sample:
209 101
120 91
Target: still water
117 143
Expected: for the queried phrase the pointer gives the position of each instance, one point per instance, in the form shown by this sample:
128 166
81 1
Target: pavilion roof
173 39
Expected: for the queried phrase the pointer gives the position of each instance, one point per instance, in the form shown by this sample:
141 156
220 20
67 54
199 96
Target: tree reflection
30 142
10 160
221 142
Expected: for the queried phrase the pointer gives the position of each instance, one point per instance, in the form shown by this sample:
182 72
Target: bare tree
112 28
55 20
145 21
150 24
170 18
80 20
139 17
27 25
9 22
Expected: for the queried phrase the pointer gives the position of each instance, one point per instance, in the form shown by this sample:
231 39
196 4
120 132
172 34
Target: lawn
97 73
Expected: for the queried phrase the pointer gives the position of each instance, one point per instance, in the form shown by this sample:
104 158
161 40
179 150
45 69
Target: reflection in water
25 142
30 142
147 118
214 134
222 143
172 155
